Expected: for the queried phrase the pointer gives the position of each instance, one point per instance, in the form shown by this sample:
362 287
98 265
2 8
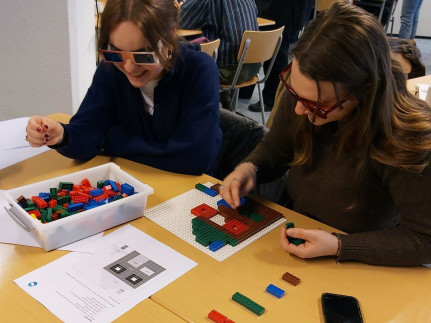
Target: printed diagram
120 270
134 269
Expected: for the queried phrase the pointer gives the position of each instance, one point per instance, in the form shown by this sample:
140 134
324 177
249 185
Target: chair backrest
211 48
260 45
320 5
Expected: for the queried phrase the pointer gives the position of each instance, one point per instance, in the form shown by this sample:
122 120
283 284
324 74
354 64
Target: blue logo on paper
32 284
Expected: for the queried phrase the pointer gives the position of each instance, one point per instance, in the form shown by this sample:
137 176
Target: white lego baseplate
174 215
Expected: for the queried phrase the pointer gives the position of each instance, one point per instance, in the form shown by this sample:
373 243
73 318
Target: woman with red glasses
151 100
357 145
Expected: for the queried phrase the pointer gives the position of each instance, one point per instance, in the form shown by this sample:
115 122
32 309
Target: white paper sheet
11 232
127 267
15 148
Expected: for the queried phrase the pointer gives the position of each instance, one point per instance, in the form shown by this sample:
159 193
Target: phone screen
340 309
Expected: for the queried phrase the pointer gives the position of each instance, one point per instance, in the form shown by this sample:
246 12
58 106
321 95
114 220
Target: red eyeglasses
317 108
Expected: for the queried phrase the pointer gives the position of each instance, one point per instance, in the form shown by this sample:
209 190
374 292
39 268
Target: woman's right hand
238 184
44 131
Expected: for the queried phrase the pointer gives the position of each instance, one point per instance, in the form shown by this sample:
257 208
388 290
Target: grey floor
424 46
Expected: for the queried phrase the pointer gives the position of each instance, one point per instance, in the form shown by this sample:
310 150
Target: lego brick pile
70 198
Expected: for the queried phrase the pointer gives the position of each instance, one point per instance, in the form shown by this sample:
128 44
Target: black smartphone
341 309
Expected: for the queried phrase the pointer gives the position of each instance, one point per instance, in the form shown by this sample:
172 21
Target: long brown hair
347 45
157 19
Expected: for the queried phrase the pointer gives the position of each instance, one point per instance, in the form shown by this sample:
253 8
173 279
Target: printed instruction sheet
127 267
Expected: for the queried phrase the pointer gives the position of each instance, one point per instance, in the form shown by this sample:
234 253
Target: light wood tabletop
386 294
264 22
411 83
193 32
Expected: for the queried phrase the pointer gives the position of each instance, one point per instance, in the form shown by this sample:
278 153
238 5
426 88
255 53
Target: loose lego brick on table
274 290
204 210
291 279
248 303
217 317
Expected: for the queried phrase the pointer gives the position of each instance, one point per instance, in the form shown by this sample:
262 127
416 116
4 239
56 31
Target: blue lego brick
96 192
223 202
216 245
127 189
113 185
274 290
210 192
75 207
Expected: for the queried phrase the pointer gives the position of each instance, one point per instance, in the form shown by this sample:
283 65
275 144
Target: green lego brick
248 303
295 241
206 233
53 192
200 187
65 185
63 199
100 184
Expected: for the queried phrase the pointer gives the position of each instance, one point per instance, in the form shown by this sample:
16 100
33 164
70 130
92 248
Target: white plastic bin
81 225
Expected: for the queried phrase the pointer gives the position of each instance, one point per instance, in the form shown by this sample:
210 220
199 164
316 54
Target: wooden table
385 294
264 22
411 84
193 32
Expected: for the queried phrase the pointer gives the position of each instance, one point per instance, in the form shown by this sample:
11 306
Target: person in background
225 20
357 143
293 15
409 55
409 18
152 100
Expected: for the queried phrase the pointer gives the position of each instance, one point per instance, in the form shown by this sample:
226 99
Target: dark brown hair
408 49
347 45
157 19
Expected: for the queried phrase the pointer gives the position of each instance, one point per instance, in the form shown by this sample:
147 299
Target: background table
386 294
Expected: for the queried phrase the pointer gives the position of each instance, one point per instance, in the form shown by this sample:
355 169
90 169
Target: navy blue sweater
182 135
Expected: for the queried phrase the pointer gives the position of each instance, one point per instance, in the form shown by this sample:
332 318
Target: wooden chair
320 5
256 47
211 48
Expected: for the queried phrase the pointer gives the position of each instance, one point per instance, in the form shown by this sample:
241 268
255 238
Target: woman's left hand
317 242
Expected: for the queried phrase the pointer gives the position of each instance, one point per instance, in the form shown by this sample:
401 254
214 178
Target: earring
169 56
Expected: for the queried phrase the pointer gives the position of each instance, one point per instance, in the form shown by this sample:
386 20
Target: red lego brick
79 199
39 202
235 226
36 213
217 317
52 203
86 182
204 210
